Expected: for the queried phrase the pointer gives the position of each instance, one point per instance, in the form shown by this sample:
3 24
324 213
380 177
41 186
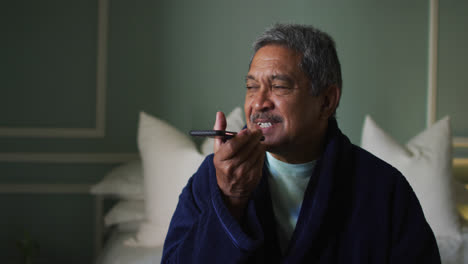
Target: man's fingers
240 145
247 174
242 153
256 158
220 124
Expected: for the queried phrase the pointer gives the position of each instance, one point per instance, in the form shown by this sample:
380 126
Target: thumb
220 124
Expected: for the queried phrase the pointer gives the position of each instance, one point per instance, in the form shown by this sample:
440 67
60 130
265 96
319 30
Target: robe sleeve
202 230
412 238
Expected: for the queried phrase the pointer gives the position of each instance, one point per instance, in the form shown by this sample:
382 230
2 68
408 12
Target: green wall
453 57
182 61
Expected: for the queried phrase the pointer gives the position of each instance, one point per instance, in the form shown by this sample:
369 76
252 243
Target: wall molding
76 188
460 142
98 224
458 162
101 82
45 188
431 111
47 157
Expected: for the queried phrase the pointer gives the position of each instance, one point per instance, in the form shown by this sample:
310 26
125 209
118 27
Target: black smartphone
225 135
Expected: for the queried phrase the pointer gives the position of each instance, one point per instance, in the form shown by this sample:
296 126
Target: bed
136 224
116 251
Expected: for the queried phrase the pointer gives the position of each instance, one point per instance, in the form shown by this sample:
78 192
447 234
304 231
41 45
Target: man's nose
263 99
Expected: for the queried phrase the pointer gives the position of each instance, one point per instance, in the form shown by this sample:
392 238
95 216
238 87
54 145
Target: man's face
278 101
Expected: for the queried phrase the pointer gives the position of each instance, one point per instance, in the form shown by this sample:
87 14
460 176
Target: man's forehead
276 52
274 60
273 76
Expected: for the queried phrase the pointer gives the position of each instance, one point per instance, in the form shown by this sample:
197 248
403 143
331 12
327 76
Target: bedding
124 212
116 252
169 158
426 162
127 183
124 181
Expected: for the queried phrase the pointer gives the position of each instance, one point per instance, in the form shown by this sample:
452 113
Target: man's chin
270 144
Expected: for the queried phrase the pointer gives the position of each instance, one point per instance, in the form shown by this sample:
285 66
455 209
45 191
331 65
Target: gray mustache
267 115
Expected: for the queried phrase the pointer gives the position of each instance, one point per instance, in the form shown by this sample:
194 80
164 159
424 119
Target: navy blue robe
356 209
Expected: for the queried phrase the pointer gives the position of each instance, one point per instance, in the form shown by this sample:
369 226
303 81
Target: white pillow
426 162
124 181
169 158
235 122
124 212
131 226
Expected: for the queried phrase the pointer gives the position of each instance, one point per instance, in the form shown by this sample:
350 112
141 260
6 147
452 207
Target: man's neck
297 158
304 152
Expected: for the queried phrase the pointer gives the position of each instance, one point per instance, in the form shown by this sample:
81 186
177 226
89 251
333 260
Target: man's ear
330 100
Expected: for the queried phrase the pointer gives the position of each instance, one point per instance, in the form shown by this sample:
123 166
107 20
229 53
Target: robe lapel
315 231
271 252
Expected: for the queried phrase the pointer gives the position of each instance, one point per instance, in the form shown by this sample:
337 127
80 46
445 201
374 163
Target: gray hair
319 57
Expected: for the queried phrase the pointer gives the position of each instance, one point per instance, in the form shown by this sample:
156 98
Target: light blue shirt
287 183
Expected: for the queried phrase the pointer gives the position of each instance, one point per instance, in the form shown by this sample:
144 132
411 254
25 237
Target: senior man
291 188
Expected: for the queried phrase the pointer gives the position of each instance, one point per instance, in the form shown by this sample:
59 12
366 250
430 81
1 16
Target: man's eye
280 87
281 90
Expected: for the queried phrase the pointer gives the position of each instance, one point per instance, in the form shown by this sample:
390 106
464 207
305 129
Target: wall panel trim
47 157
460 142
76 188
101 82
45 188
432 62
431 112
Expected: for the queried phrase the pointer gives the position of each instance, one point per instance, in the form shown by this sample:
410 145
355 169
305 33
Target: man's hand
238 163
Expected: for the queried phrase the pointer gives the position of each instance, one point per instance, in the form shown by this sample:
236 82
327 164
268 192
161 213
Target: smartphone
225 135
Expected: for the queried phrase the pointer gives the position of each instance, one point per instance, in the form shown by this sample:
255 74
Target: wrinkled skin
279 106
